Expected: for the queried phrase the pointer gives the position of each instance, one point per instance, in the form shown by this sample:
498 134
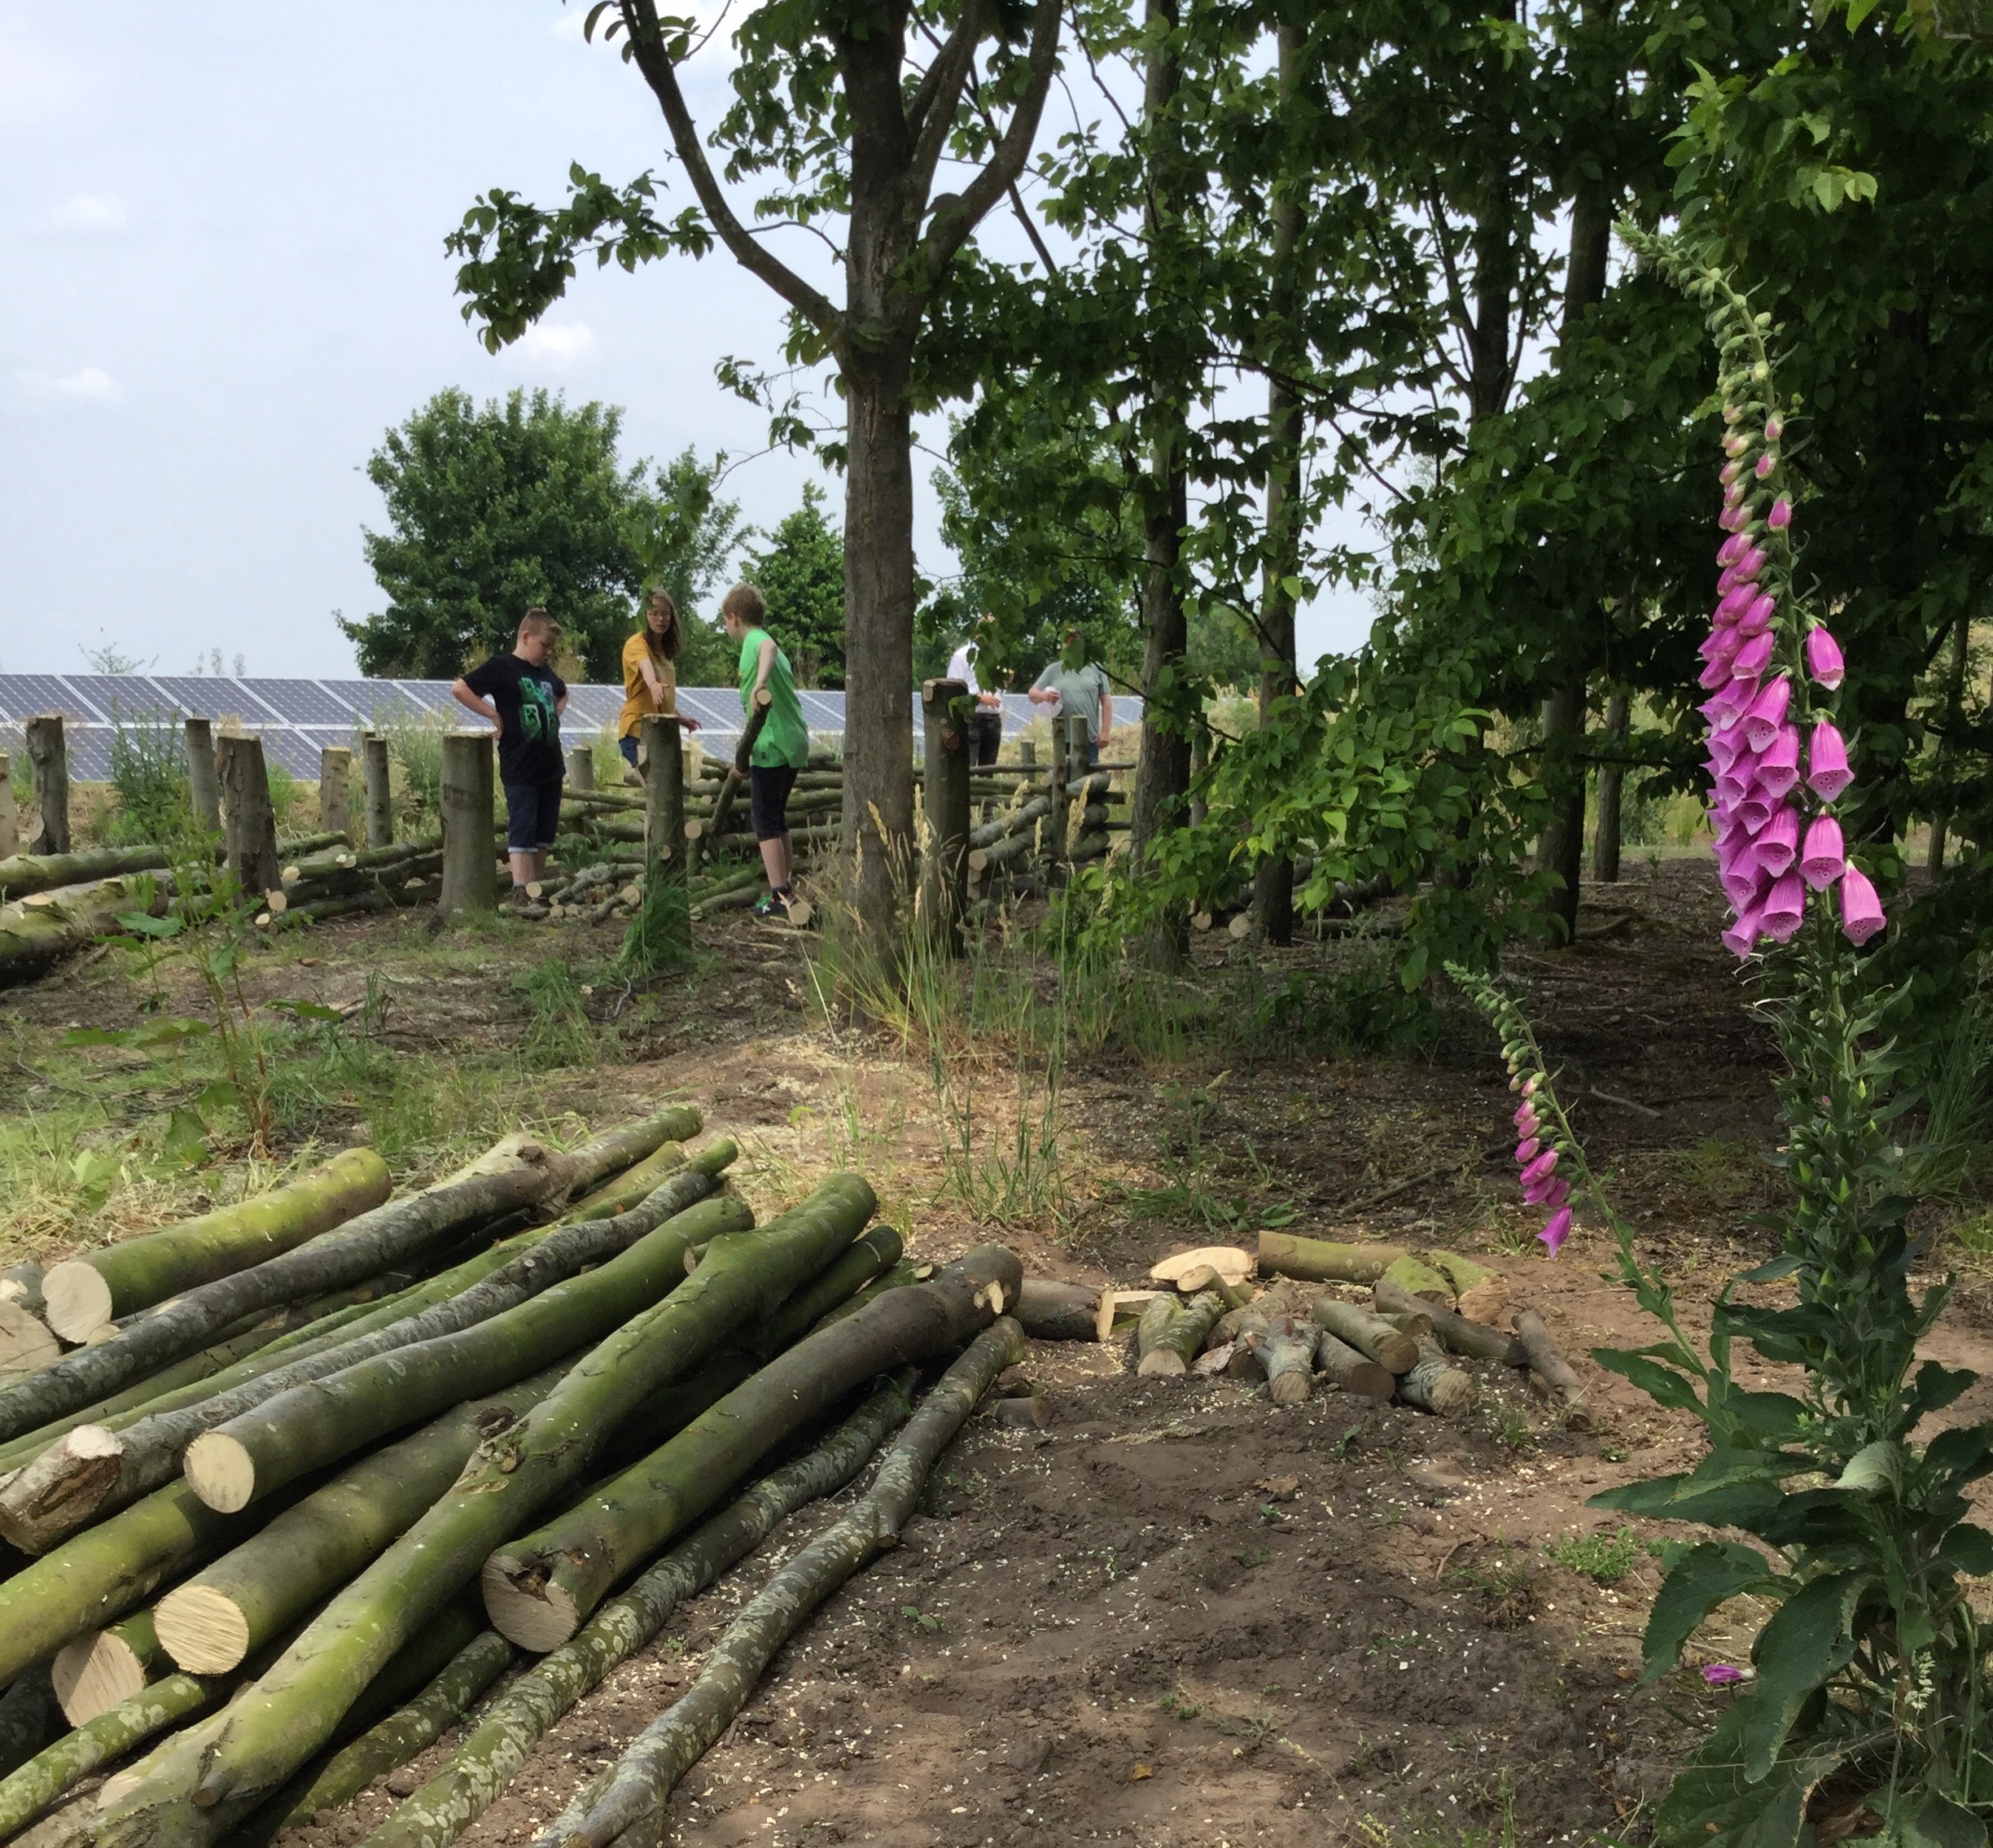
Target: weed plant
149 775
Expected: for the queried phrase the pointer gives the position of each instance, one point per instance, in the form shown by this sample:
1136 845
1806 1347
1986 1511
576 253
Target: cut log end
48 1499
97 1671
202 1629
25 1343
220 1470
78 1299
1162 1363
524 1607
1295 1388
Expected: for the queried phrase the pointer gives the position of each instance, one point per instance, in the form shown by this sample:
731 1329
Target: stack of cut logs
328 1460
1426 1316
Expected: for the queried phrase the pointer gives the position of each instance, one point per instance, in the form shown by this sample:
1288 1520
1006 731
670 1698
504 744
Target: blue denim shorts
532 815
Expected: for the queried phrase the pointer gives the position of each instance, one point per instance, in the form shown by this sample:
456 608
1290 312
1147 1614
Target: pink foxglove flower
1735 443
1823 658
1778 763
1758 614
1861 910
1785 908
1766 464
1554 1234
1754 811
1558 1193
1732 549
1765 713
1778 842
1742 934
1526 1151
1731 471
1524 1120
1749 563
1721 1674
1827 761
1781 516
1774 429
1753 658
1824 854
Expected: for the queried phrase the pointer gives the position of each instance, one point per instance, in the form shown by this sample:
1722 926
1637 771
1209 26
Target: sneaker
773 904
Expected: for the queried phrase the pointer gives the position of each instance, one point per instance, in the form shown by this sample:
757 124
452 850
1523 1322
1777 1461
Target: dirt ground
1179 1615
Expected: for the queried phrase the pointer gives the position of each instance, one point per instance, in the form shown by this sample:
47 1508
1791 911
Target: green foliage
149 773
491 509
659 937
1605 1557
801 572
686 537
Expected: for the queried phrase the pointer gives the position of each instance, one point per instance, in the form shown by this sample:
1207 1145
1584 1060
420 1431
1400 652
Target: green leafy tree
690 537
493 508
801 573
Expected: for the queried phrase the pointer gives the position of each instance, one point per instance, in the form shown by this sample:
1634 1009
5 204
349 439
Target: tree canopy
801 572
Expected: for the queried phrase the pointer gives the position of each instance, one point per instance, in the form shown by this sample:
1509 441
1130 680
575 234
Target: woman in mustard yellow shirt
650 676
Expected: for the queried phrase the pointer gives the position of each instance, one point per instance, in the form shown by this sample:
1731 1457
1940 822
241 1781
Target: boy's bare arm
460 690
1107 714
764 665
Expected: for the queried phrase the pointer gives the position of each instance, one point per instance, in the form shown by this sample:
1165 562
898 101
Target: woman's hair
673 638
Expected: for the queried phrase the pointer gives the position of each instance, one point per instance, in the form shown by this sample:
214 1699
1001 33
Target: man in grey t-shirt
1082 689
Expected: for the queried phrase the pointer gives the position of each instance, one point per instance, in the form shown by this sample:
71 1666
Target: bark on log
276 1725
1457 1333
1286 1352
204 790
361 1248
210 1622
23 873
1481 1291
379 796
1548 1365
34 937
1012 822
872 1255
403 1735
1317 1260
248 824
663 791
29 1717
38 1785
305 1426
469 843
902 1275
103 1668
10 812
49 760
1353 1371
335 788
1417 1278
1436 1385
84 1292
636 1790
1046 1310
1172 1347
1159 1315
489 1759
540 1589
1368 1334
26 1346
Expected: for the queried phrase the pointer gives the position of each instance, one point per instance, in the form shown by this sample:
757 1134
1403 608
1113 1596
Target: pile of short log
329 1459
1426 1316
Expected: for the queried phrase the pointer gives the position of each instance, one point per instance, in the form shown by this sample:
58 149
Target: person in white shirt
986 723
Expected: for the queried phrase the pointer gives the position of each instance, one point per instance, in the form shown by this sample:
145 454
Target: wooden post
204 792
582 767
944 795
379 797
1055 822
248 824
1612 779
1079 746
10 821
51 761
1200 747
469 843
663 791
336 789
1028 751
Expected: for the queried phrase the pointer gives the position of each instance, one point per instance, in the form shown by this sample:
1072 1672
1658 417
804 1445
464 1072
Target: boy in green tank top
781 749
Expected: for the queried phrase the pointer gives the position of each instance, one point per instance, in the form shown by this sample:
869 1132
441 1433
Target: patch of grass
1605 1557
659 937
562 1033
1725 1173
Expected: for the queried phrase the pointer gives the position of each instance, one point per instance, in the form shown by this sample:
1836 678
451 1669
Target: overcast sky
221 230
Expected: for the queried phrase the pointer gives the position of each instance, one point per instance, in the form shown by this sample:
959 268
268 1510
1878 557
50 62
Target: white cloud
88 212
556 342
91 383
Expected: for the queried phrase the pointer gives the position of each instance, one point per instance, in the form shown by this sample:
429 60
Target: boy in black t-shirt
523 699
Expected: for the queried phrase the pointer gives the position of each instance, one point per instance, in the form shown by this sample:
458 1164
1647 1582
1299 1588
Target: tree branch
640 21
931 114
955 217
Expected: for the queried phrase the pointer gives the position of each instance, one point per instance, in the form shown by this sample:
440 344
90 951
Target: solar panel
430 695
302 702
376 701
294 751
88 750
204 696
22 696
591 707
114 696
822 711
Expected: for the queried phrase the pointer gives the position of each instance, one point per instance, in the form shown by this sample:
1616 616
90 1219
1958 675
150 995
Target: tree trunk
1170 1337
1353 1371
1163 777
1436 1385
1561 847
489 1759
1459 1332
945 802
1368 1334
26 1346
874 1253
1320 1260
664 836
470 842
50 760
249 824
379 791
1056 1312
84 1293
1549 1365
308 1425
361 1248
10 812
275 1726
42 1782
335 788
1286 1351
540 1589
35 936
212 1622
636 1790
879 592
27 872
203 789
1611 782
581 770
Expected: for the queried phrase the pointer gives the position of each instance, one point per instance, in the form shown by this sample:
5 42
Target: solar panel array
296 719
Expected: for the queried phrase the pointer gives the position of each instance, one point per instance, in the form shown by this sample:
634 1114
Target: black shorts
768 786
627 747
532 815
